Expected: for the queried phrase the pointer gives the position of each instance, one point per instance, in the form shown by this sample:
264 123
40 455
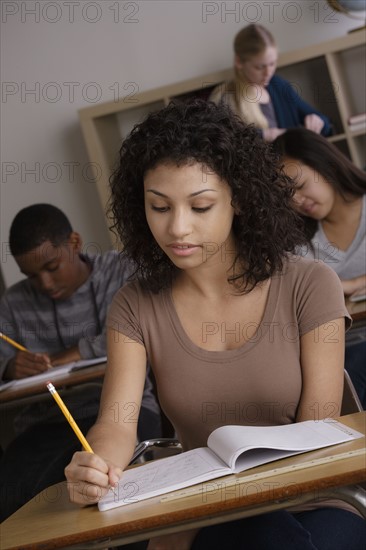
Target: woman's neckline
230 354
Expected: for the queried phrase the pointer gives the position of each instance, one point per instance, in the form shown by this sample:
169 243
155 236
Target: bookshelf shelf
329 75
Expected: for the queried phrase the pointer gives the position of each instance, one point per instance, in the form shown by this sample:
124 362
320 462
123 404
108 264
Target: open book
231 449
52 374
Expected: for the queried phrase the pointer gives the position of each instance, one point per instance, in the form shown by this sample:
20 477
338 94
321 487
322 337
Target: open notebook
52 374
230 449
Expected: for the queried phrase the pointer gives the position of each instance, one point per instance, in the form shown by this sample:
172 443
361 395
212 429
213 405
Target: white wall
59 56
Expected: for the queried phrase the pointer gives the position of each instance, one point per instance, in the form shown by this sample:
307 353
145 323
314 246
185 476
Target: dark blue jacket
290 109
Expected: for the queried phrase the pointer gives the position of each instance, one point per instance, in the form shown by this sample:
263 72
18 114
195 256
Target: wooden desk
74 378
13 400
50 521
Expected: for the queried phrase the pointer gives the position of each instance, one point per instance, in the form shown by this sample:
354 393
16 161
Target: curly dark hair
266 228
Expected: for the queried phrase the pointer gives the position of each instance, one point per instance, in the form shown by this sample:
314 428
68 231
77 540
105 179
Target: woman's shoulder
277 82
135 292
312 284
131 290
125 303
314 291
134 306
300 268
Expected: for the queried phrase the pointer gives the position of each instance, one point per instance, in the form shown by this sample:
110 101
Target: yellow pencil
72 422
69 418
16 345
12 342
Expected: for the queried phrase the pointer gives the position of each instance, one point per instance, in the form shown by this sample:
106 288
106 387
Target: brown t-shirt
256 384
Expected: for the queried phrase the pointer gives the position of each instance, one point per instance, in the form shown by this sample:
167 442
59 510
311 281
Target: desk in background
70 379
357 310
13 399
50 521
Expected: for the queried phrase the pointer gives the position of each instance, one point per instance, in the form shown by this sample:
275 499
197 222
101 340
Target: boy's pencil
71 421
15 344
69 418
12 342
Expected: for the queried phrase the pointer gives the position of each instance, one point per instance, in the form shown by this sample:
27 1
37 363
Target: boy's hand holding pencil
24 363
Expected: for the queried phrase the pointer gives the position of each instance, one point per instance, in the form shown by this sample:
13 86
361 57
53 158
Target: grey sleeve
7 351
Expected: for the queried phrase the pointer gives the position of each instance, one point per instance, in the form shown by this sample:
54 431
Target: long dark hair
325 158
266 228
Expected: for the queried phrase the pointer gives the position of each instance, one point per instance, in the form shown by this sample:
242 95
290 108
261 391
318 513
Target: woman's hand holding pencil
97 475
90 477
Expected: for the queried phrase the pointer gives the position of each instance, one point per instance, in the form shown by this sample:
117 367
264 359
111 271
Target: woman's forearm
113 442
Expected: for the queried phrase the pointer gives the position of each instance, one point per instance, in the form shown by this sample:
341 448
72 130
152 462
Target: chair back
350 402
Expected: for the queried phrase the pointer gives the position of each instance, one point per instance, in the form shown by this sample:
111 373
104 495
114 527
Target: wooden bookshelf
330 76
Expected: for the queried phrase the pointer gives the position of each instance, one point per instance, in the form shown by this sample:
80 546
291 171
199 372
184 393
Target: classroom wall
60 56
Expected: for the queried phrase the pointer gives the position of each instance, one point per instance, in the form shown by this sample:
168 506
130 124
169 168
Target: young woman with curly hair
223 310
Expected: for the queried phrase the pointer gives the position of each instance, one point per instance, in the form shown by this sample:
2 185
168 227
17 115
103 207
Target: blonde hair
250 41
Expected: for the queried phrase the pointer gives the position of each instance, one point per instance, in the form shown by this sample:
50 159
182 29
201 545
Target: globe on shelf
349 7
